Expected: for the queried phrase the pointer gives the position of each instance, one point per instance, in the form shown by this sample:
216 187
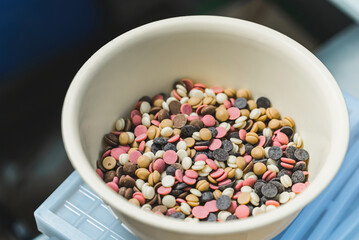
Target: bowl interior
232 53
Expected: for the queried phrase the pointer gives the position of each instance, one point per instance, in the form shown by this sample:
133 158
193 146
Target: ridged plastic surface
73 211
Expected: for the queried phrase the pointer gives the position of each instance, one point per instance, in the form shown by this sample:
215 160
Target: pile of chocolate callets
205 154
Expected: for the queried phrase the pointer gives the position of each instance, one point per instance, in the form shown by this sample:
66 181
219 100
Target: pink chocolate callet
186 109
234 113
141 137
211 164
221 132
173 139
200 212
208 120
249 182
164 190
242 134
139 130
134 156
211 206
159 165
137 120
99 173
217 173
215 144
179 175
191 173
170 157
217 89
113 185
200 157
142 146
189 181
242 211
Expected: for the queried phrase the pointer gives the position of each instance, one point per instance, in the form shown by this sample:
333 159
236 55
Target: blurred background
44 43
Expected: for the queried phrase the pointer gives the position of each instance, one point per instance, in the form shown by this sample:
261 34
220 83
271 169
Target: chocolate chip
210 154
234 135
213 130
176 193
128 125
223 202
301 154
249 125
171 170
275 153
183 195
197 123
300 166
231 217
284 172
163 114
287 131
180 186
129 168
202 143
128 193
260 161
119 172
179 121
155 148
227 145
155 110
263 102
109 176
298 177
228 185
240 103
187 131
153 200
236 154
100 166
127 181
269 190
209 109
179 215
220 155
160 208
289 152
258 188
170 146
175 107
160 140
268 142
207 196
249 167
111 139
278 185
212 217
248 148
145 99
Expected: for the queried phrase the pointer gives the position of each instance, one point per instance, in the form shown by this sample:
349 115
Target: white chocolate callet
247 189
270 208
223 215
196 136
186 163
181 145
196 93
209 92
238 173
166 132
123 158
146 207
131 137
140 183
148 192
165 106
254 198
284 197
168 181
196 192
184 100
150 155
146 120
182 154
273 168
286 181
257 211
235 140
159 154
267 132
145 107
169 201
255 113
221 97
185 208
120 124
228 191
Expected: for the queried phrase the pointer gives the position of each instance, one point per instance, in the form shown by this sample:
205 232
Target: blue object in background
31 31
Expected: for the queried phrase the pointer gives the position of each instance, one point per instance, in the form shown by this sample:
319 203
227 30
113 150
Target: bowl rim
73 146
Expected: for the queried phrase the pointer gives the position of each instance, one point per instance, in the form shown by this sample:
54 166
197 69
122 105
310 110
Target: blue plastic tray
74 211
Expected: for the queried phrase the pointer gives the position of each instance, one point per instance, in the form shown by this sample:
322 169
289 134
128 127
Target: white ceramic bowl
217 51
